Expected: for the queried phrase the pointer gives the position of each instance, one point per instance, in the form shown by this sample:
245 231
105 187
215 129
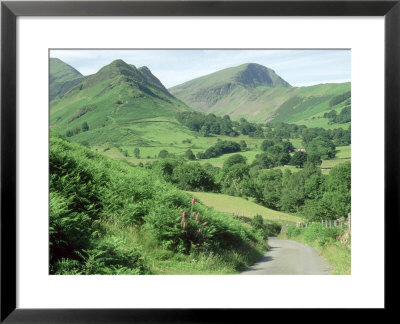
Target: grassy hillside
62 77
244 92
107 217
243 207
114 103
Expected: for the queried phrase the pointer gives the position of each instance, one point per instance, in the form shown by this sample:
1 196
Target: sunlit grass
242 207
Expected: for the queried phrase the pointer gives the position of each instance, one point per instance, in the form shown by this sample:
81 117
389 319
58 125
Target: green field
243 207
343 152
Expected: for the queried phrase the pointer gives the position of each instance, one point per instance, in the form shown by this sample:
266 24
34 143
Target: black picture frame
10 10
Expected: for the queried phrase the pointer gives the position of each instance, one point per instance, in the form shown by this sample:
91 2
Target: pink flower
184 214
205 223
198 217
182 221
199 231
193 200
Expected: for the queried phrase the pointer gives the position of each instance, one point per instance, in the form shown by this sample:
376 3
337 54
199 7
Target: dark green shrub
191 176
272 228
163 154
257 222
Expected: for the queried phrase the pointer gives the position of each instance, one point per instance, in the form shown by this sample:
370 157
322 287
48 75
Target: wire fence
346 224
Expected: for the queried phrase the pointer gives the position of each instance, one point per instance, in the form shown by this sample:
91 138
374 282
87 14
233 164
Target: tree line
308 191
211 125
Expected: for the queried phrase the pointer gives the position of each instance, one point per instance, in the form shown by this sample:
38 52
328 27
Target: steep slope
111 102
258 94
127 219
153 80
62 77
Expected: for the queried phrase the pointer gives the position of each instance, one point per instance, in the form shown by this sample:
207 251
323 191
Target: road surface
289 258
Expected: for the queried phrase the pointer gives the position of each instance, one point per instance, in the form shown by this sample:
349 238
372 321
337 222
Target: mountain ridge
62 77
110 101
256 93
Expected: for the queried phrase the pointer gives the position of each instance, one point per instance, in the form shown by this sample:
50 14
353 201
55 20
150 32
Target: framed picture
364 33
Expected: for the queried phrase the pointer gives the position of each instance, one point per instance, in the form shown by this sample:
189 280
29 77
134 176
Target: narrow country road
289 258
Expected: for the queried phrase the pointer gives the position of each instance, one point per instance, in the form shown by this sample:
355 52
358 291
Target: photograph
199 161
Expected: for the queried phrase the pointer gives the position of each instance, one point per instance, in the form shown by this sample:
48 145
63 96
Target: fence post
349 216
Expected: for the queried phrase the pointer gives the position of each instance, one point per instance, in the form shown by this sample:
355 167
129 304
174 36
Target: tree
234 176
278 155
321 146
205 131
294 191
85 127
287 146
136 153
243 145
266 144
314 158
191 176
269 184
298 159
263 161
163 154
338 190
189 155
232 160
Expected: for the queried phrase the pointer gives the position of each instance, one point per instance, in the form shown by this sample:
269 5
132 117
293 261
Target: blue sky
173 67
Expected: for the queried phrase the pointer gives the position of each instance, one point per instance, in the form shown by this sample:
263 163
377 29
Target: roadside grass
339 257
242 207
162 261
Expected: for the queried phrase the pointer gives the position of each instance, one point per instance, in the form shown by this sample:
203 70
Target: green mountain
62 77
111 105
258 94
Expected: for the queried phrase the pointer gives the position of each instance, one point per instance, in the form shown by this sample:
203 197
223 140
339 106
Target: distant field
242 207
344 152
343 155
329 164
297 142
